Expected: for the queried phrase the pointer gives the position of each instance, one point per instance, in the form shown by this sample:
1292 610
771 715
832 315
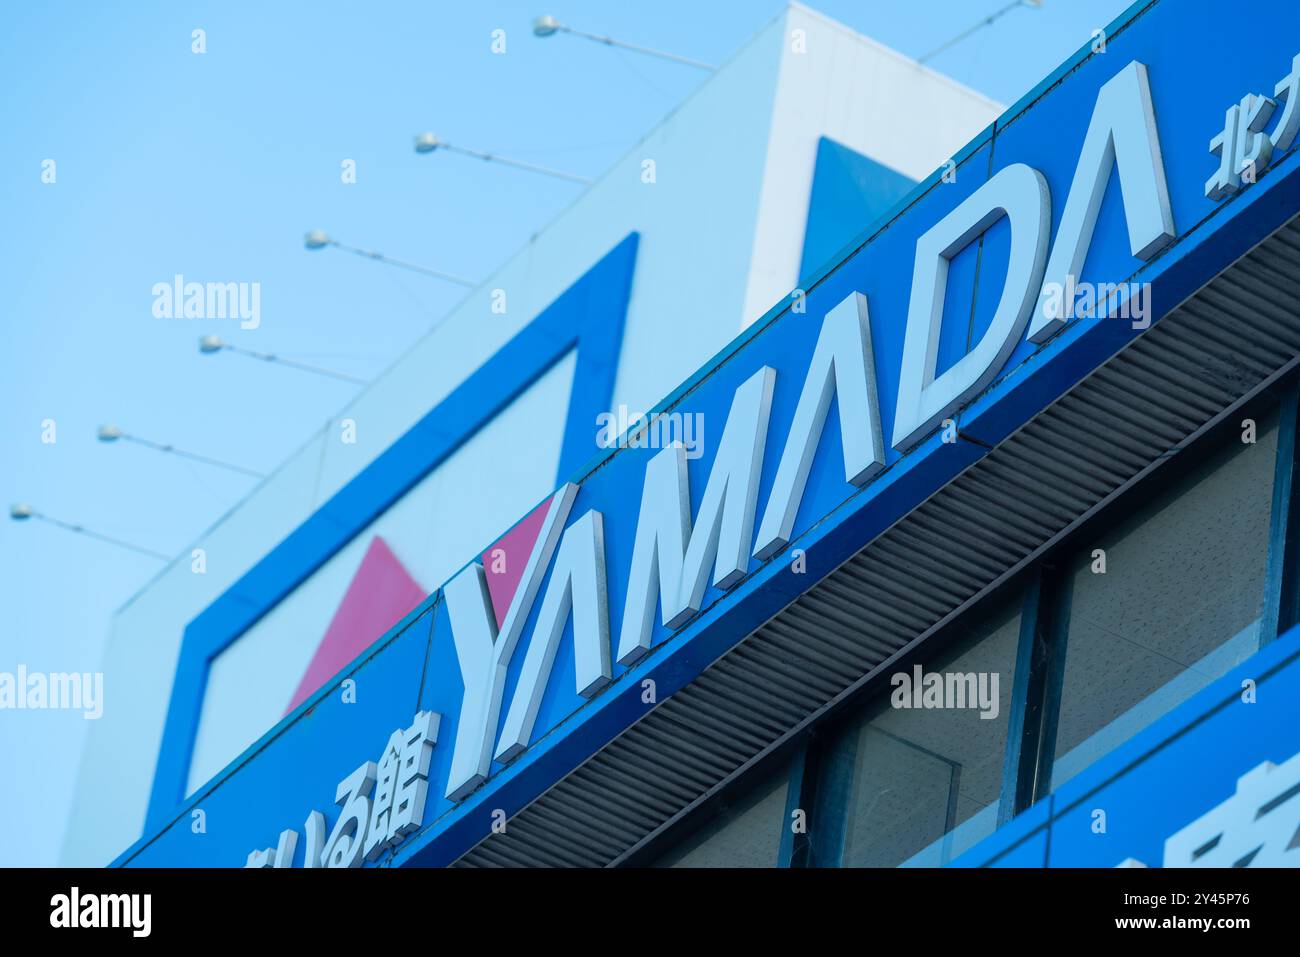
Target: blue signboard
933 337
1214 782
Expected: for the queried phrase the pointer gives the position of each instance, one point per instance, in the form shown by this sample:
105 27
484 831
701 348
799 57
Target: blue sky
214 166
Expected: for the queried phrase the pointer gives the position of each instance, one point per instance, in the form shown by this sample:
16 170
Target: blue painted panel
1031 852
1021 842
848 191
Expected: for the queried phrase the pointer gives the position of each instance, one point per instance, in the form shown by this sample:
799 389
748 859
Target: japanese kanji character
402 784
1258 826
1242 147
1288 94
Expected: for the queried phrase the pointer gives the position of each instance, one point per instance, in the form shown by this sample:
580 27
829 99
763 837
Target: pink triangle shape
504 561
380 593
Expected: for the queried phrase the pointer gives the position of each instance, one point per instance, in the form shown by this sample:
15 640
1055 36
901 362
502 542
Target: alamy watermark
179 299
953 690
131 912
1128 300
658 431
55 691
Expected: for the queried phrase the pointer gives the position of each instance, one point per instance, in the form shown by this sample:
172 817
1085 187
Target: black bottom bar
675 908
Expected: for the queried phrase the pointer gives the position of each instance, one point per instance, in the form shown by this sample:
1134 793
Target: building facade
974 548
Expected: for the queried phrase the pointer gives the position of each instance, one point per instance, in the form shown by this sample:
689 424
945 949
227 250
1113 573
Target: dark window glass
1177 606
746 834
926 780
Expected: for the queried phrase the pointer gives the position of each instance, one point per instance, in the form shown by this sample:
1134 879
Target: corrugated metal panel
1133 412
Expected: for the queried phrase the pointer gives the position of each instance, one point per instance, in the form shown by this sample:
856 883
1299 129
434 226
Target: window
1177 606
926 781
745 834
